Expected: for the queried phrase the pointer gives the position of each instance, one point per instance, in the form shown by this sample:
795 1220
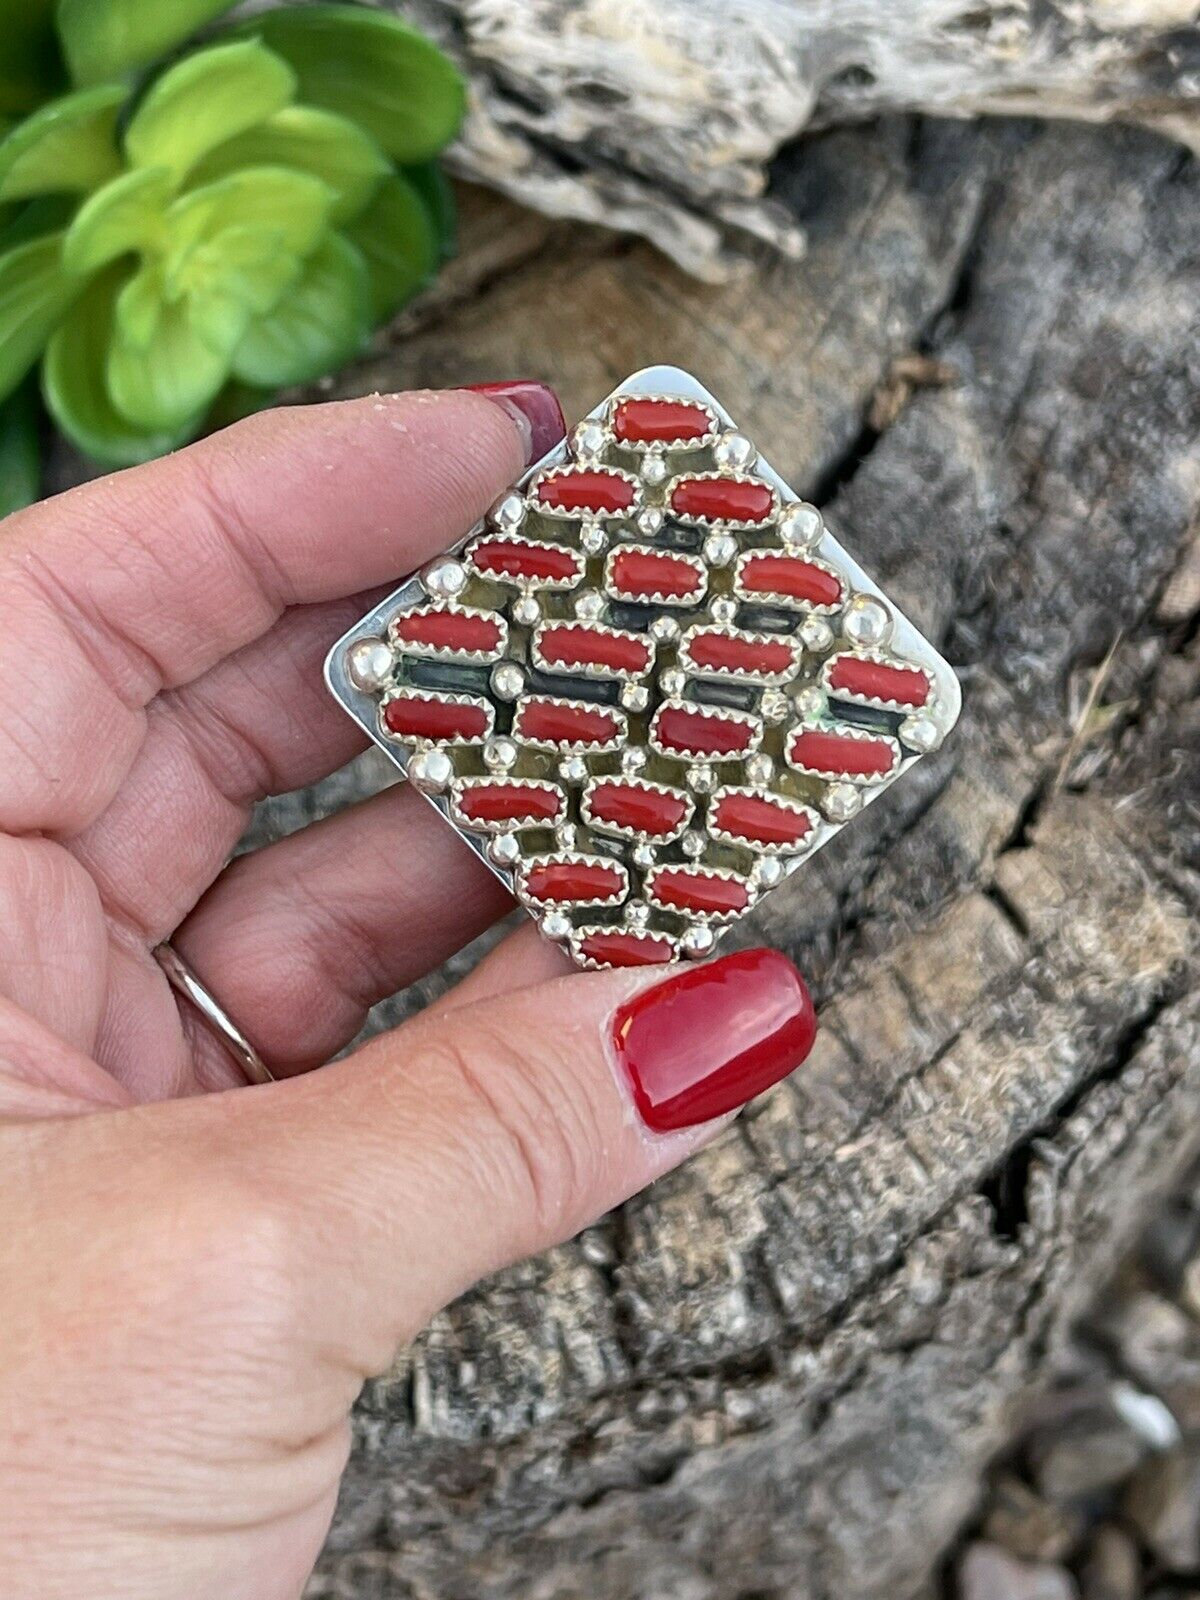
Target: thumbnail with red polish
707 1040
533 407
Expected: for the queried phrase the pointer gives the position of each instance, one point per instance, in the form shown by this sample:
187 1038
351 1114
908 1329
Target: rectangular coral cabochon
655 447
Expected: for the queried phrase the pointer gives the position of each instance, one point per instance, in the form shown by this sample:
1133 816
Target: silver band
185 982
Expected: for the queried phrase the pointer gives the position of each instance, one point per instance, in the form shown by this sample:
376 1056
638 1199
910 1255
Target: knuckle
541 1133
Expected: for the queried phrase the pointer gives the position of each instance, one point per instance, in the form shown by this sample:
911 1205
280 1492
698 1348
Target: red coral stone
435 719
720 651
699 733
526 561
618 949
906 686
691 889
645 573
510 802
552 722
788 575
448 630
761 820
722 499
586 491
626 805
574 880
839 753
659 421
574 646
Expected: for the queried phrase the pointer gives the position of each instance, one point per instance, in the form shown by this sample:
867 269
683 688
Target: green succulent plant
177 244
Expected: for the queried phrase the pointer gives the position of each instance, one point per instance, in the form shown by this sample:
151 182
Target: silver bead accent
735 452
566 836
635 696
664 630
444 578
693 845
866 620
921 733
643 855
592 538
723 610
526 611
430 770
504 849
654 469
508 680
650 520
815 634
672 681
800 525
774 705
633 758
768 871
573 770
760 769
637 913
720 549
507 513
499 755
589 605
589 438
369 664
555 925
841 801
809 701
697 942
701 779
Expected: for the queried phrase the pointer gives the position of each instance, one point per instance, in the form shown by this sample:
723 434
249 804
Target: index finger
145 579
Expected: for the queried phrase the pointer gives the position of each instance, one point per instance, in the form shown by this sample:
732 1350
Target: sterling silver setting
638 754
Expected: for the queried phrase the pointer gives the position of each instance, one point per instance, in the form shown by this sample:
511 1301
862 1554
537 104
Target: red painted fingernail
533 407
708 1039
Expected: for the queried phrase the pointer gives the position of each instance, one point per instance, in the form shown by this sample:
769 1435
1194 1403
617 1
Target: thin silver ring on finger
185 982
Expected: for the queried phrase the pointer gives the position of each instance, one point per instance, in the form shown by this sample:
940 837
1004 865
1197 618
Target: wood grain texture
662 119
775 1376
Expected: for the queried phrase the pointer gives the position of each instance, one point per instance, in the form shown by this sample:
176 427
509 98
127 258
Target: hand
195 1283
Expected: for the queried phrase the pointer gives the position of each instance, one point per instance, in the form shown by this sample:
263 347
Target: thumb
469 1139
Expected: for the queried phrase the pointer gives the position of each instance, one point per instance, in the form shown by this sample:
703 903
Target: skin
198 1275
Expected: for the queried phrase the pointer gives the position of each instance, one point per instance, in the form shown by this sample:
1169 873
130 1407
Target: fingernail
533 407
707 1040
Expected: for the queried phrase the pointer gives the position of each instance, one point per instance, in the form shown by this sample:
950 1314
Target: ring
185 982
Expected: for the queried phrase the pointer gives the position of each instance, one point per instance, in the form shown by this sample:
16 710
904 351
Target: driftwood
660 117
777 1375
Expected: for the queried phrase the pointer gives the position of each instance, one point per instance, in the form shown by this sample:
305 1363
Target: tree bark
777 1375
662 119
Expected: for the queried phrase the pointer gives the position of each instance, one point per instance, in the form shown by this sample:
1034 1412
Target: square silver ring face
650 684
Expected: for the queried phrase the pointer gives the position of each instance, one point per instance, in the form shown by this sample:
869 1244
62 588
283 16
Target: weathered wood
777 1374
661 119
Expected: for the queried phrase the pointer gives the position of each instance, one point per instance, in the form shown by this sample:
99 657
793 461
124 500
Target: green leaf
35 293
163 385
20 463
235 401
127 214
291 206
437 192
373 68
34 218
205 99
69 145
329 147
397 239
322 322
75 388
247 264
110 38
30 66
